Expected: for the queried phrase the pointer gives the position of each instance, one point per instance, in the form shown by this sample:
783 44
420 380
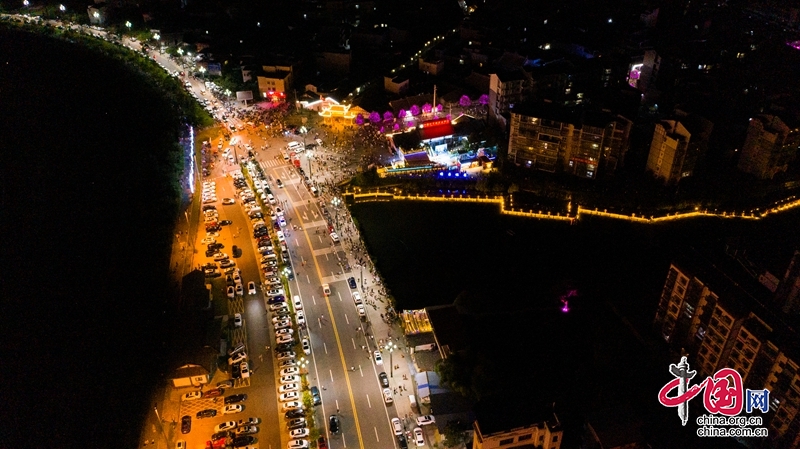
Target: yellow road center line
335 332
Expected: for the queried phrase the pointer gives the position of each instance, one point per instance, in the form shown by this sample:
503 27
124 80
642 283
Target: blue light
449 175
441 173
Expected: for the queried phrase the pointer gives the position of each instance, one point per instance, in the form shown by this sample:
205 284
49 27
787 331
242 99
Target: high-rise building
719 320
507 89
668 151
554 139
768 147
546 434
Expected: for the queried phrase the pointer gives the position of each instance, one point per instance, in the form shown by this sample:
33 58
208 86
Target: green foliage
454 434
466 373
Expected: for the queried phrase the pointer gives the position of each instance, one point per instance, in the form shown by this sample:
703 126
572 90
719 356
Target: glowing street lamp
96 14
203 71
26 3
180 51
156 36
128 24
391 347
62 8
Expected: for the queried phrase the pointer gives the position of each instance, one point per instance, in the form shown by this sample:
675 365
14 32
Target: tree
360 119
426 108
402 114
414 110
374 117
464 101
388 116
454 434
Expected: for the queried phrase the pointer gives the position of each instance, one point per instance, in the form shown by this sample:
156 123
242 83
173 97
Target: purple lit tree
483 100
381 128
402 114
464 101
426 108
414 110
360 119
388 116
374 117
439 107
396 126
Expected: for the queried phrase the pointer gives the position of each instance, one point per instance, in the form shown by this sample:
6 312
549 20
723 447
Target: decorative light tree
464 101
439 107
396 126
374 117
483 100
360 119
402 114
426 108
388 116
414 110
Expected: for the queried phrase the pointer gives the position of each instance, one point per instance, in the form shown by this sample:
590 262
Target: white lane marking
345 318
376 434
354 342
314 300
369 402
340 296
331 371
325 346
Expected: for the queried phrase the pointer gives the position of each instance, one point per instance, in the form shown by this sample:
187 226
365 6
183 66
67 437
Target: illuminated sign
434 123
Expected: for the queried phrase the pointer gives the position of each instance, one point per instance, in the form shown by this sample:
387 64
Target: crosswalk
271 163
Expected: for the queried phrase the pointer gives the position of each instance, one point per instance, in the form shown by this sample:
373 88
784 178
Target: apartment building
507 89
668 151
554 139
768 147
706 310
275 81
546 434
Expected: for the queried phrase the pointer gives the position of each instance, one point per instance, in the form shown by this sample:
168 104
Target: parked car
378 358
186 424
292 414
214 392
387 396
418 438
192 396
227 425
333 424
233 408
251 288
425 420
384 380
397 426
233 399
207 413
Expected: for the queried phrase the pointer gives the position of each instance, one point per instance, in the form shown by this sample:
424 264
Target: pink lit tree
483 100
360 119
374 117
439 107
464 101
388 116
414 110
396 126
426 108
402 114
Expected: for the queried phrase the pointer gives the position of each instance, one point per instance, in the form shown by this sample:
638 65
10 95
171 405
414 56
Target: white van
271 198
294 146
314 191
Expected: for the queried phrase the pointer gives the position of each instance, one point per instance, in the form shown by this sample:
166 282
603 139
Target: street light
203 71
26 3
156 36
62 8
128 24
391 347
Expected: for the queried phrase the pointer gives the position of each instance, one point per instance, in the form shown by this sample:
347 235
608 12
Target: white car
293 405
301 318
228 201
418 438
277 306
290 371
220 256
208 241
285 331
275 292
237 278
299 433
227 425
279 211
281 222
361 310
282 324
387 396
289 387
306 346
326 289
378 358
397 426
251 288
237 358
425 420
281 237
237 320
290 379
231 292
289 396
246 430
334 237
357 297
284 338
298 305
286 355
232 408
192 396
239 290
298 444
244 370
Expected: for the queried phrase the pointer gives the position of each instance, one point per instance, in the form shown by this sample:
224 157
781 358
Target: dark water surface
88 206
